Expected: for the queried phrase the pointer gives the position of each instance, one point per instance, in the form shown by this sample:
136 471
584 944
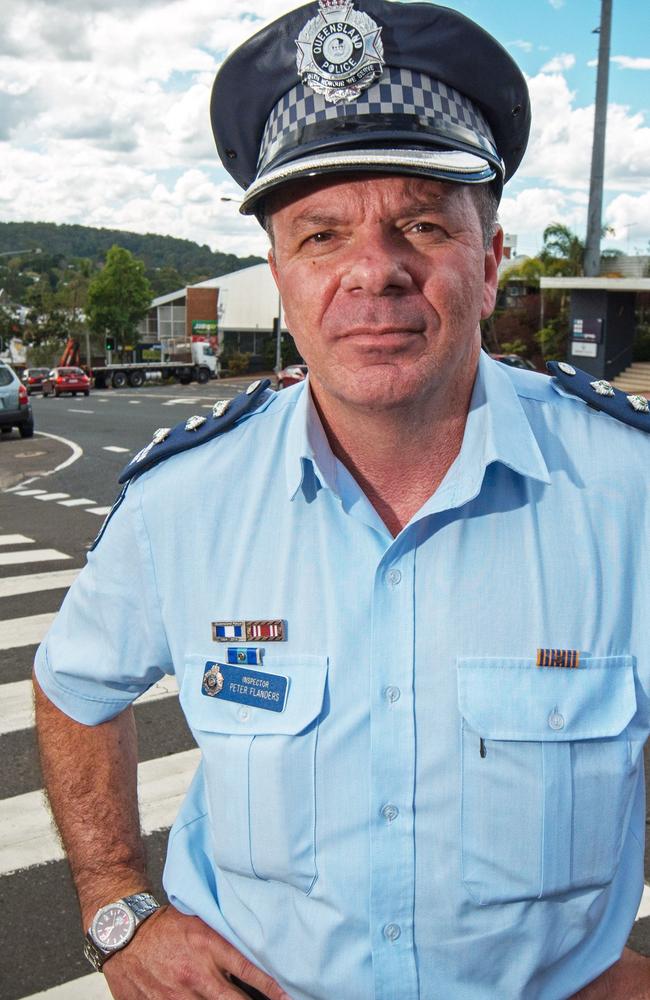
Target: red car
71 380
32 379
291 375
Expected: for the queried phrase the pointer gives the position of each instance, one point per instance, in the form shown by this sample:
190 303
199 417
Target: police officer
406 603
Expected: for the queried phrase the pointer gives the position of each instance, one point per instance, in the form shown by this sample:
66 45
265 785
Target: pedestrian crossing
63 499
31 856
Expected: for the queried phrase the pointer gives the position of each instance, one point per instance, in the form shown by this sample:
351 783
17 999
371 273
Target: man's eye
322 237
425 227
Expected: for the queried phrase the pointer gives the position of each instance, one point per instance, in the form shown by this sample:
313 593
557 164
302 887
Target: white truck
193 361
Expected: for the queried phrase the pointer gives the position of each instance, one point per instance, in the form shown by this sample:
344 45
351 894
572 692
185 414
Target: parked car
32 379
60 380
515 361
15 408
291 375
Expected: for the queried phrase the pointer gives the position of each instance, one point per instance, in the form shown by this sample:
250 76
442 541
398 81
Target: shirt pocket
547 775
259 770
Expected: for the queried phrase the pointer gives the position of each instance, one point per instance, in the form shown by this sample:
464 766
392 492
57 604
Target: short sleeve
108 645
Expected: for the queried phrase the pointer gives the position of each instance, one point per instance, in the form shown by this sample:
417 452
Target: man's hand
627 979
175 957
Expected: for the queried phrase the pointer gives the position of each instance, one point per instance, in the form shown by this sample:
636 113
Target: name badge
228 682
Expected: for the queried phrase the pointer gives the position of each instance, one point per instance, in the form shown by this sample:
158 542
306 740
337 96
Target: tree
563 251
119 297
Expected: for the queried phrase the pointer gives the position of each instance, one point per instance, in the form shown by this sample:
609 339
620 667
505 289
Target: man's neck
396 463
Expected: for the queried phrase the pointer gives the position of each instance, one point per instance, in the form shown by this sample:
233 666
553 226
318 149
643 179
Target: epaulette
196 430
601 395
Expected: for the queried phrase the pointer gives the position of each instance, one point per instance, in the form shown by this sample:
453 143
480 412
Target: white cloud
631 62
521 43
556 4
559 63
629 216
559 151
529 212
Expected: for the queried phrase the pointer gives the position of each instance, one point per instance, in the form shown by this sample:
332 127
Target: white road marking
27 835
29 493
644 905
24 631
33 583
53 496
115 447
92 987
80 411
77 503
102 511
135 402
33 555
177 402
77 452
16 710
15 540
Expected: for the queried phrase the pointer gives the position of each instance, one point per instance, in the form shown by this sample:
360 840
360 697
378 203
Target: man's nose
376 266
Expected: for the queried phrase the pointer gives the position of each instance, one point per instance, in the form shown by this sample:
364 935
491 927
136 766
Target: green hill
169 262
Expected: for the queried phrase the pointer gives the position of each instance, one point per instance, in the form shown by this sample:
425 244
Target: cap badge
566 368
340 52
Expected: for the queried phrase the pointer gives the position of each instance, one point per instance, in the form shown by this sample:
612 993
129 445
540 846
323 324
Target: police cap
369 85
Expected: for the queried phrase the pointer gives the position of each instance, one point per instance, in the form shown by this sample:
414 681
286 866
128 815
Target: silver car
15 408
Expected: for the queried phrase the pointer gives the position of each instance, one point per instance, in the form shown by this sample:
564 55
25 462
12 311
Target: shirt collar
497 430
308 453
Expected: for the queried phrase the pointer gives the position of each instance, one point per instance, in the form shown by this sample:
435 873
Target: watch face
113 926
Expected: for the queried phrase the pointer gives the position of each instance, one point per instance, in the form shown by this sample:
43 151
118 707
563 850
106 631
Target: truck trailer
196 364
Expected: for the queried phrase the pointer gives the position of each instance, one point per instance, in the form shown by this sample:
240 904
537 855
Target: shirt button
556 721
390 812
243 714
392 932
394 576
392 693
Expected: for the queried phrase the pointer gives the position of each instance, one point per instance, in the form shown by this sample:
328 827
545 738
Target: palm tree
563 251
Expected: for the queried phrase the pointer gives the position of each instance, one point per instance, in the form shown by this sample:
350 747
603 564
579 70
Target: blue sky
104 114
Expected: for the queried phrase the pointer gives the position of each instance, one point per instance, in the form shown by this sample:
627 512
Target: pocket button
556 720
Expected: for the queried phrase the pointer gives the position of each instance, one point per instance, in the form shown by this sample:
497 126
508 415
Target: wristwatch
115 924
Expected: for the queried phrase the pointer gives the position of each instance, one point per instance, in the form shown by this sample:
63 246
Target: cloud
521 43
529 212
631 62
556 4
559 63
629 216
559 151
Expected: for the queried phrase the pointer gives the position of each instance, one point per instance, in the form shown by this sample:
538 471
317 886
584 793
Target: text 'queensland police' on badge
340 51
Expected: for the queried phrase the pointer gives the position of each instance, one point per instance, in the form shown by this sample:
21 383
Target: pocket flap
304 701
512 699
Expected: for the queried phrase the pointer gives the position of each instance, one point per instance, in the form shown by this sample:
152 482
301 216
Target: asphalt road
73 463
80 447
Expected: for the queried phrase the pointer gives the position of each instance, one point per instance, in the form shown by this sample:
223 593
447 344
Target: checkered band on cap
399 91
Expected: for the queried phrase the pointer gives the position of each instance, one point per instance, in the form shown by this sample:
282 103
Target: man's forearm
90 775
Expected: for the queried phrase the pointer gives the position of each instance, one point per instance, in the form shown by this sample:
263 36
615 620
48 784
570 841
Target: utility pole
591 260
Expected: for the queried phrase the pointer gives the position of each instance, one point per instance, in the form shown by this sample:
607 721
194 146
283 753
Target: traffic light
110 344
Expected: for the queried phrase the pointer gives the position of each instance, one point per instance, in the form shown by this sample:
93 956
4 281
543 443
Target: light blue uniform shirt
432 815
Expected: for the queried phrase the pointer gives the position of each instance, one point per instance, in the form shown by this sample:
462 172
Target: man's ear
273 265
491 271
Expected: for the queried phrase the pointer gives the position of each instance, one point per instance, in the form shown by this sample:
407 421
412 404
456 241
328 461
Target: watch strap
142 905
